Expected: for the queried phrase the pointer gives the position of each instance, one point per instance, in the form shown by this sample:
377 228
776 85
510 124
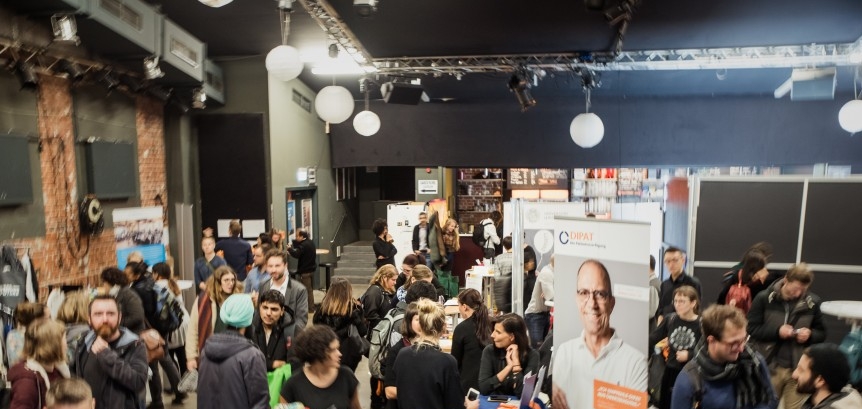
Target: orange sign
610 396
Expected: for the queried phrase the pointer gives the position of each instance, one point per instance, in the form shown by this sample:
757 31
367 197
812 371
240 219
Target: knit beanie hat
237 311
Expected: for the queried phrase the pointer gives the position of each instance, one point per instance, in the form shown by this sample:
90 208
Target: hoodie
121 369
848 398
232 373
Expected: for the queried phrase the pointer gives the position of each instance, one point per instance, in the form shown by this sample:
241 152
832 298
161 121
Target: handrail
337 230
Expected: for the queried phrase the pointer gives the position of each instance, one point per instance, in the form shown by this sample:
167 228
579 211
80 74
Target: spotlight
65 28
594 4
365 8
110 80
151 68
74 71
520 85
199 98
160 93
26 75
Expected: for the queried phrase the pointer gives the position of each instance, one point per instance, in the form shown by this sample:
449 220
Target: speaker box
812 84
400 93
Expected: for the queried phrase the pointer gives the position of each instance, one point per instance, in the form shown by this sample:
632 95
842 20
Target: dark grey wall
743 130
18 117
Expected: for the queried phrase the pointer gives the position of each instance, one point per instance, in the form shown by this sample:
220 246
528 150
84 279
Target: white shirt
542 291
283 287
617 363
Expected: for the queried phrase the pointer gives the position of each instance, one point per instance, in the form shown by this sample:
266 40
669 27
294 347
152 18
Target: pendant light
366 123
283 62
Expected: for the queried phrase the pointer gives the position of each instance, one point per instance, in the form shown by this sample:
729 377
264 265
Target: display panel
832 219
15 184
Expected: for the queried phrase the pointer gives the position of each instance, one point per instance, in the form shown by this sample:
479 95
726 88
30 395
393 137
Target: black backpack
168 313
479 233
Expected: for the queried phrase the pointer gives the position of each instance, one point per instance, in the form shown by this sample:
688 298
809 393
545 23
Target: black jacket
144 288
123 370
232 374
385 249
665 303
350 357
376 302
280 345
306 255
415 240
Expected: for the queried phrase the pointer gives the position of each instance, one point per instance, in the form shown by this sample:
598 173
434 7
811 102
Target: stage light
131 84
161 93
27 76
365 8
65 28
74 71
520 85
109 79
151 68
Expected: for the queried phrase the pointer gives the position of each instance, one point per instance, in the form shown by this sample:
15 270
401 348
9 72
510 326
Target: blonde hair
75 308
432 319
338 299
214 284
420 272
385 272
44 340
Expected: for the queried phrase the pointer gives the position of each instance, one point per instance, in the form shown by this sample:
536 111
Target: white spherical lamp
366 123
850 116
283 62
587 130
334 104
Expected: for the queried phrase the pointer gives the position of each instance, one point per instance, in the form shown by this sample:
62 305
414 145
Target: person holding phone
507 358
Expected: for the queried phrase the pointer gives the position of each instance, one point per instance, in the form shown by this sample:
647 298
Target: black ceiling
402 28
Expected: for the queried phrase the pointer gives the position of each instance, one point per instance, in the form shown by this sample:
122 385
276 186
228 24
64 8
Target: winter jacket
376 302
280 345
144 287
131 307
848 398
306 255
768 314
232 374
350 356
436 248
30 382
123 370
385 249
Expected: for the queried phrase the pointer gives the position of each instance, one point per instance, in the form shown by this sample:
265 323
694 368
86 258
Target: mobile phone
472 394
498 398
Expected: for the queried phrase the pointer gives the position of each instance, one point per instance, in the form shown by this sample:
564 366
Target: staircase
356 263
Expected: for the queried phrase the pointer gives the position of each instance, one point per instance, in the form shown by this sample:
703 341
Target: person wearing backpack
144 285
725 372
739 283
489 239
376 302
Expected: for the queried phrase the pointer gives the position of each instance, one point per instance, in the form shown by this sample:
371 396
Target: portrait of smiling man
599 353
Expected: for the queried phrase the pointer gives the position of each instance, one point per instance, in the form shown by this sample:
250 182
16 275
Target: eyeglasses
598 295
737 344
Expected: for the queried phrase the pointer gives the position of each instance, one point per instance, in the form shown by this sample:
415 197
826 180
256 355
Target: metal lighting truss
789 56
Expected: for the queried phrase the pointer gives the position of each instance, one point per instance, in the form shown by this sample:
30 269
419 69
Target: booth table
850 311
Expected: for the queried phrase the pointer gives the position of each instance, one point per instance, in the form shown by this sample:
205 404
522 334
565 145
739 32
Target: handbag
189 382
276 379
154 343
358 342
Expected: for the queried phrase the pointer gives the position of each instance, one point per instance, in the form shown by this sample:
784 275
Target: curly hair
115 276
214 284
312 344
378 226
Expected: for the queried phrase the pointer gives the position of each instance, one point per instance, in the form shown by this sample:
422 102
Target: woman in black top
409 331
384 250
339 311
682 330
323 383
470 337
508 358
426 377
377 300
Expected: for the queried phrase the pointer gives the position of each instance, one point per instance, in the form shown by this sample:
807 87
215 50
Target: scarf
205 320
750 387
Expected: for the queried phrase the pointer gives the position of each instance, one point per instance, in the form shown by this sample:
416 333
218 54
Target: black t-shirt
338 395
429 379
682 335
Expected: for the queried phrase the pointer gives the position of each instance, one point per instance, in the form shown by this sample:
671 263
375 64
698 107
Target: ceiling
420 28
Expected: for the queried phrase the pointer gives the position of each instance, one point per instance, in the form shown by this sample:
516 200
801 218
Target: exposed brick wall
62 256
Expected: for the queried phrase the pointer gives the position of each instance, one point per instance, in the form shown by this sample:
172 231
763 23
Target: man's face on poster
595 300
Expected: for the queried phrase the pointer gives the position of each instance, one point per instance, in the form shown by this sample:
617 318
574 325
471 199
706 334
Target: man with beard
784 320
272 331
258 272
295 294
599 353
823 372
725 372
112 359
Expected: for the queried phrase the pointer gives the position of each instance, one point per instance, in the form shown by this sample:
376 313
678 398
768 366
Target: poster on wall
307 221
402 218
140 229
291 220
601 277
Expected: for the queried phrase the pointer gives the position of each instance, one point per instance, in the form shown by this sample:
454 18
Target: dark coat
28 386
280 345
350 357
124 370
232 374
306 254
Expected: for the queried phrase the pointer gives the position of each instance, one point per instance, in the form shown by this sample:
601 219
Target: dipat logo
567 236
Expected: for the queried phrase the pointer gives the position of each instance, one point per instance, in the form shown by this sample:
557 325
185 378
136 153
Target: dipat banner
600 356
140 229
